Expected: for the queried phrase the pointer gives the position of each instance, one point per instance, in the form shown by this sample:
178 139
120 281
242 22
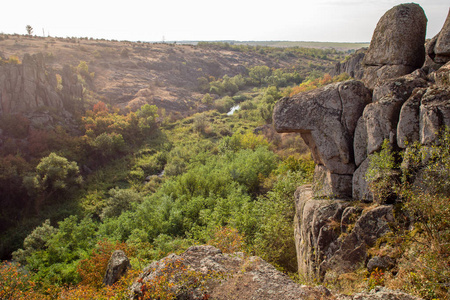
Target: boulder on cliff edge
397 46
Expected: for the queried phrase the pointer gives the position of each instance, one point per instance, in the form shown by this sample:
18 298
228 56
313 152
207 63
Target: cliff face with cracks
32 89
404 95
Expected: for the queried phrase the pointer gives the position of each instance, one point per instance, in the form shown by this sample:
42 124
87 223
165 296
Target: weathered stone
378 122
430 65
30 88
317 225
329 185
379 293
434 113
408 124
380 263
442 48
352 65
349 217
374 75
370 226
399 38
326 119
401 87
442 76
360 186
232 276
117 267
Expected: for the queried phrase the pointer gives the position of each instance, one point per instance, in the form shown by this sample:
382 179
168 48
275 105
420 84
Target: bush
120 200
424 189
53 174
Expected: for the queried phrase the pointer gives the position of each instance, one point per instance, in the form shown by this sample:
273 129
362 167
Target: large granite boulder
397 46
408 124
434 113
326 118
442 76
352 247
315 230
400 87
360 186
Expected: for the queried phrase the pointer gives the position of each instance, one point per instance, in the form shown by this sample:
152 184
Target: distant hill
339 46
165 74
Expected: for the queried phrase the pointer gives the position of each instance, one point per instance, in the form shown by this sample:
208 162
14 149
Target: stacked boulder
400 99
397 46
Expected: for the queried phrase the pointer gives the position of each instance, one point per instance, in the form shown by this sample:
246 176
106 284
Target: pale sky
208 20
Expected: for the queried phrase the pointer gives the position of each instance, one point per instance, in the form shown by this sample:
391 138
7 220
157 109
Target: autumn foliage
92 270
228 239
318 82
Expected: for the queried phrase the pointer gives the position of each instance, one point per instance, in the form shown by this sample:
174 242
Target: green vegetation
421 183
150 187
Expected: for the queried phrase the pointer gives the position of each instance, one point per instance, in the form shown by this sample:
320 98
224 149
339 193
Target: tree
53 174
29 29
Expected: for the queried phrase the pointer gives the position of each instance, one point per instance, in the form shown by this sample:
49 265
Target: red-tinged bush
99 107
228 239
37 142
14 284
318 82
92 270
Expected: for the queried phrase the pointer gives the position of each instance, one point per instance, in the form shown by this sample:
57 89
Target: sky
209 20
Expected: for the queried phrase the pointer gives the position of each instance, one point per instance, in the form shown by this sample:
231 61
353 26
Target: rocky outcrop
117 267
397 46
326 118
27 86
204 272
32 89
317 230
407 105
352 65
379 293
442 47
326 246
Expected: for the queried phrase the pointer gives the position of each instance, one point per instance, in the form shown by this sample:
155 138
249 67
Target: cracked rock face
326 246
326 119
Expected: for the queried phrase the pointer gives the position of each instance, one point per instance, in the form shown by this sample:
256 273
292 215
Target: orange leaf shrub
92 270
228 239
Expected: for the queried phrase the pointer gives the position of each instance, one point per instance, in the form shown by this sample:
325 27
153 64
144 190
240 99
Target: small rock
117 267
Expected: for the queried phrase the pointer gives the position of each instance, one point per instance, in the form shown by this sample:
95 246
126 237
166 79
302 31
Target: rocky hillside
134 73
